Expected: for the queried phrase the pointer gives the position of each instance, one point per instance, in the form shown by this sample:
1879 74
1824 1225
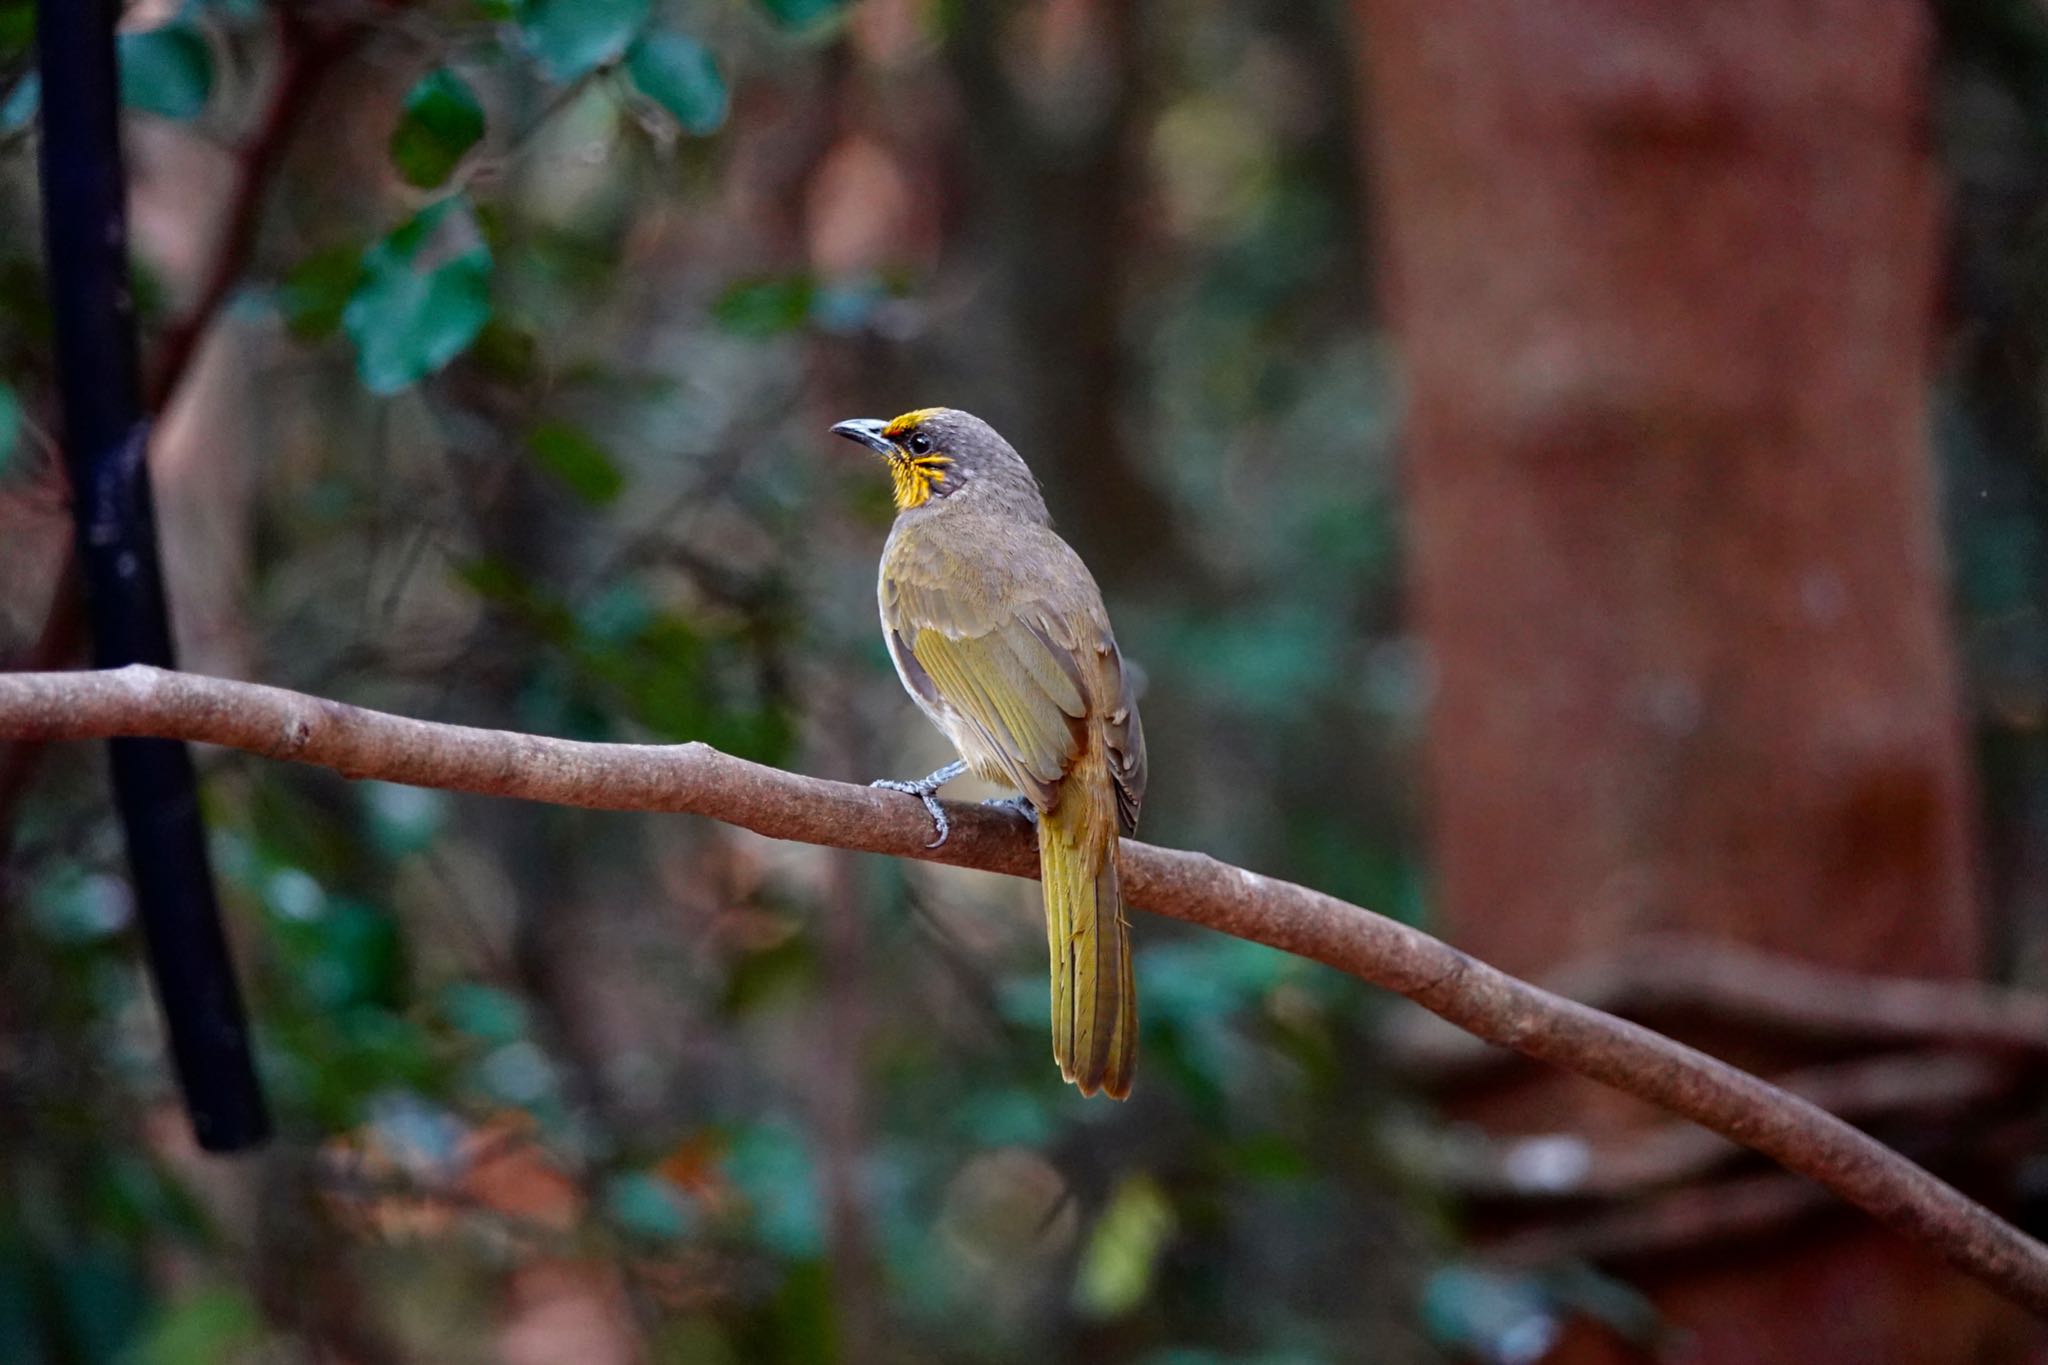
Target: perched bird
999 634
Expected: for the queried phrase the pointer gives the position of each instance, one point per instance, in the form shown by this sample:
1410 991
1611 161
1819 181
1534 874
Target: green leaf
577 461
357 959
572 37
617 615
294 894
81 908
1006 1118
1117 1265
484 1012
518 1073
17 27
343 958
649 1205
801 13
507 352
1488 1313
135 1198
441 121
1614 1304
765 307
772 1168
776 974
10 426
677 73
425 294
101 1305
166 71
19 109
495 580
846 306
212 1325
403 820
318 289
23 1335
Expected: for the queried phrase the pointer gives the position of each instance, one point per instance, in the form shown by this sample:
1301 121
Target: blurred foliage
10 427
165 71
515 418
423 295
539 410
440 122
1992 118
678 73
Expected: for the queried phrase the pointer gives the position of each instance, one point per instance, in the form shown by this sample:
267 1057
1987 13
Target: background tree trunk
1663 277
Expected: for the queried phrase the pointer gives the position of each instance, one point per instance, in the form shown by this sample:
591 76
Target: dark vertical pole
105 436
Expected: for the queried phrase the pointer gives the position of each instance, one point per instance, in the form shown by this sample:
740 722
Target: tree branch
698 780
1767 994
304 63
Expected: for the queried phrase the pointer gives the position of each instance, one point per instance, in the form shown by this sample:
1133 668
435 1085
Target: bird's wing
1083 639
1003 652
1124 739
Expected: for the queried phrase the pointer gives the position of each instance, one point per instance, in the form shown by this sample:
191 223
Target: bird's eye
920 444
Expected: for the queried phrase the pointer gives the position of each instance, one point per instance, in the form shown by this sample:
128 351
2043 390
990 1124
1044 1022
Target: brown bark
1663 277
697 779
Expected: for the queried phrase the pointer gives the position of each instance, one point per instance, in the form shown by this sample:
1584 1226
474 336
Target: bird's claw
931 803
925 789
1018 805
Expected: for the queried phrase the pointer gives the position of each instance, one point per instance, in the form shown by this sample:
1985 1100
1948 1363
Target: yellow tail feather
1094 999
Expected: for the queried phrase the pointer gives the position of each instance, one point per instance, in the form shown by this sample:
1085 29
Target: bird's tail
1094 999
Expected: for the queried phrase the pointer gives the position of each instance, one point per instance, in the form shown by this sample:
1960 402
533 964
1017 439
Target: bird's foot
925 789
1019 804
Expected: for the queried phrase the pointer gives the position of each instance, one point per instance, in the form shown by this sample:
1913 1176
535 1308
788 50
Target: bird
999 634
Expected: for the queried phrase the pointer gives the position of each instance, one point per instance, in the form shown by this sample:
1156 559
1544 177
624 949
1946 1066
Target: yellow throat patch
914 475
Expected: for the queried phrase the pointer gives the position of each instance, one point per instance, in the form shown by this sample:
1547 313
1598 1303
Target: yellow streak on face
914 477
908 422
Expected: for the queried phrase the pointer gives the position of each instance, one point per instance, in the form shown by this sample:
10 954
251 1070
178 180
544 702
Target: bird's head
941 453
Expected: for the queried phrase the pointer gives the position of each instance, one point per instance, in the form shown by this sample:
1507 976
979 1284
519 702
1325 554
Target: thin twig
1666 974
697 779
303 66
1935 1085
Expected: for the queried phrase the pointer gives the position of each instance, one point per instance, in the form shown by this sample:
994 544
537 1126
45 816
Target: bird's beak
868 432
